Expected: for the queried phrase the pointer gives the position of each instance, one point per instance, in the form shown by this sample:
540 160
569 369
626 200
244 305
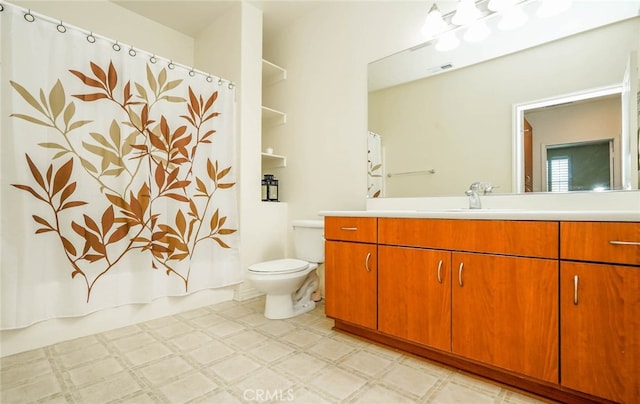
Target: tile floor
230 353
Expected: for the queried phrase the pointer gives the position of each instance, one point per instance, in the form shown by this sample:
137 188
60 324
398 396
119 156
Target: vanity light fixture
472 15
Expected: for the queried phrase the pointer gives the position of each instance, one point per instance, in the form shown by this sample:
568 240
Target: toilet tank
308 240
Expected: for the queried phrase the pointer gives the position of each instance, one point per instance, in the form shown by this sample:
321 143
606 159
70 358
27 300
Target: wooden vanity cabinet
351 270
505 312
414 295
503 308
552 307
600 309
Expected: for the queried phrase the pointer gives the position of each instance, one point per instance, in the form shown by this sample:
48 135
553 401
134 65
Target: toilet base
278 307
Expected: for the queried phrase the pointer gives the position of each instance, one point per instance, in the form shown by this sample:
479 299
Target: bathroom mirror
439 121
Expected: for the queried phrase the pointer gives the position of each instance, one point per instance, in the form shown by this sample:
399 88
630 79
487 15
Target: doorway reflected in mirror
584 134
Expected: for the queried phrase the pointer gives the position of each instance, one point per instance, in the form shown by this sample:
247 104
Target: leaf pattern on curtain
374 165
140 160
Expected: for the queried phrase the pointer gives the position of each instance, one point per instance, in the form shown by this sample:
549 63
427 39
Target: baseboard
243 292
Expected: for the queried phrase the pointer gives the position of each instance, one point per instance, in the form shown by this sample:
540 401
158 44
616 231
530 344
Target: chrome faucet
474 196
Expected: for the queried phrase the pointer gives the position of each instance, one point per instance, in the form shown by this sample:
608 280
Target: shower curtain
117 174
374 165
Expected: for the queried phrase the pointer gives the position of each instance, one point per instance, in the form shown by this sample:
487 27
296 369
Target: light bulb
466 13
434 23
499 5
512 18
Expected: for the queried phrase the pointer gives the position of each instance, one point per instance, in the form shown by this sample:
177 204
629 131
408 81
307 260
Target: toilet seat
281 266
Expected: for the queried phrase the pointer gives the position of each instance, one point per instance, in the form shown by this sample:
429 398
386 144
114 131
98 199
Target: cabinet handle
575 290
460 274
349 228
366 262
615 242
439 268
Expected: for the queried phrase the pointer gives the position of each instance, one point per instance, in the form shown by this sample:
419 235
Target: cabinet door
505 312
414 295
600 312
350 282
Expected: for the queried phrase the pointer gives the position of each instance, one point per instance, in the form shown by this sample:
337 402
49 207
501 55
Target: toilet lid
282 266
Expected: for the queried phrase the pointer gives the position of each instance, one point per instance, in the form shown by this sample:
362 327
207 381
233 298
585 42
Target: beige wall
460 122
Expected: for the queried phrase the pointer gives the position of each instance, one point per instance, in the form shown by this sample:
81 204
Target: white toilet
289 282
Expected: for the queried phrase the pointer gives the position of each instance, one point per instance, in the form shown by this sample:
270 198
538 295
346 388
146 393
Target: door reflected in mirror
572 143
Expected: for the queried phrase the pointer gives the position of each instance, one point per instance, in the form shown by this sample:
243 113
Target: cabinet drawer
614 242
520 238
359 229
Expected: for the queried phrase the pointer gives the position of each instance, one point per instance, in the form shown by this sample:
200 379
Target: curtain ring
192 73
29 17
171 65
219 82
231 85
116 47
132 52
91 38
153 59
1 7
61 28
209 78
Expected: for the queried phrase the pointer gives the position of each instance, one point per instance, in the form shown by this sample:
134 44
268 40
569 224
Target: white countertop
509 214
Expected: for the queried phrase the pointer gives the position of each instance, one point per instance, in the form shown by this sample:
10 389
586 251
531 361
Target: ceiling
191 17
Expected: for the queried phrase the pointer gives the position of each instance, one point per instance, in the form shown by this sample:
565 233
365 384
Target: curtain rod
116 45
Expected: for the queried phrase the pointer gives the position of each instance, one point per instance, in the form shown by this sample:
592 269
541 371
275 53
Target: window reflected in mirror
585 166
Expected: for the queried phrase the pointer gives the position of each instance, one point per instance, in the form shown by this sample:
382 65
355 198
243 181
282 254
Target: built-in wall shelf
273 117
273 161
272 73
